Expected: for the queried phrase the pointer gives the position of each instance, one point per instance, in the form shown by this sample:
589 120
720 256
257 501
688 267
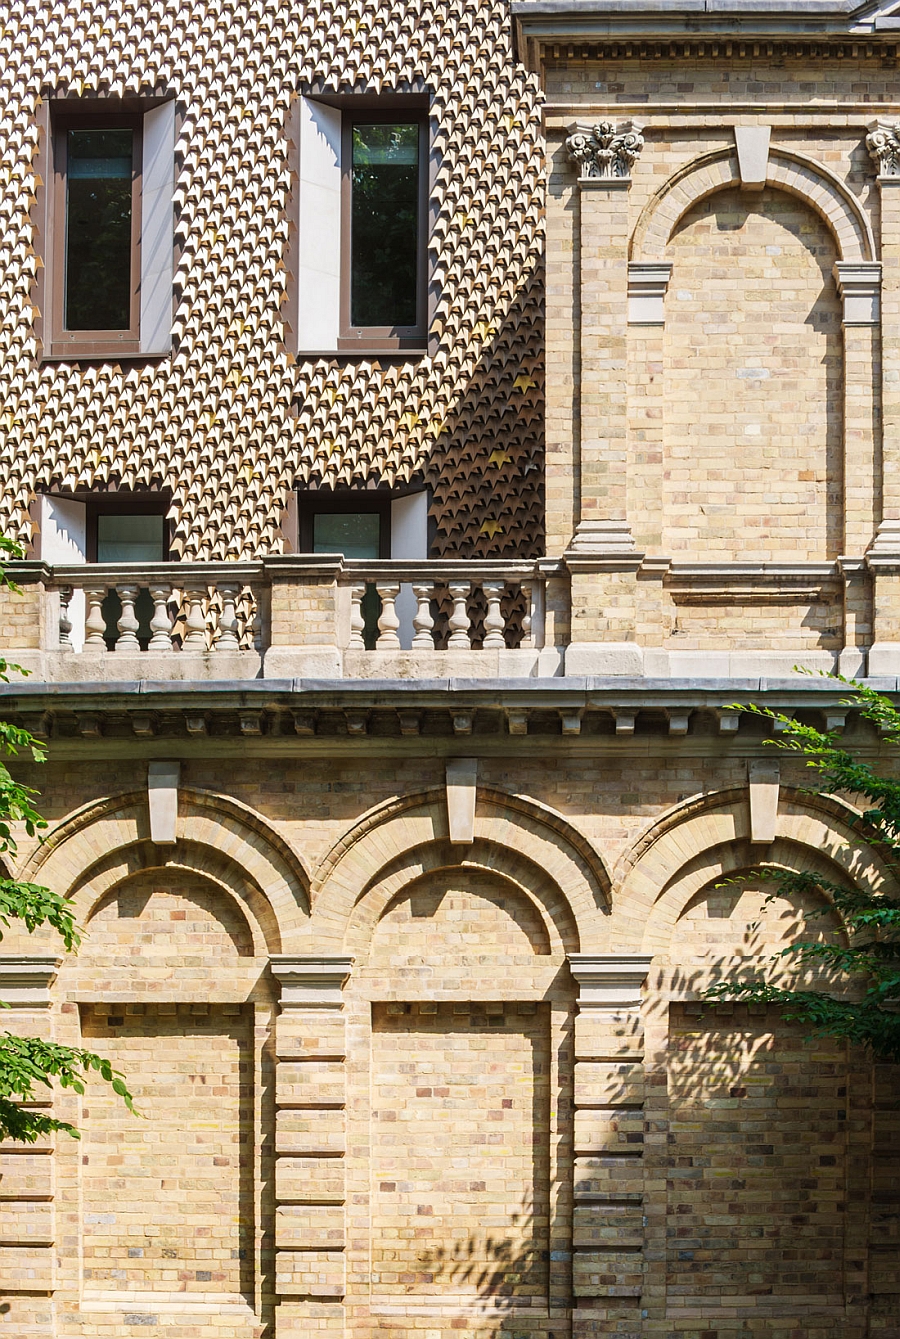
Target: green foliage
26 1063
871 919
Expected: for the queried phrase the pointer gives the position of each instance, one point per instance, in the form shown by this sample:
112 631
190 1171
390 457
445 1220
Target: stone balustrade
453 606
196 607
320 616
326 617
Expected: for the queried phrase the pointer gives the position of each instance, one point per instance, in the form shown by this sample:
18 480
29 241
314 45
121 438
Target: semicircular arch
708 836
512 826
816 185
411 867
229 837
188 859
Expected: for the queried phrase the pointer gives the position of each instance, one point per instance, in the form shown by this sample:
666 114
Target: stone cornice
172 719
540 25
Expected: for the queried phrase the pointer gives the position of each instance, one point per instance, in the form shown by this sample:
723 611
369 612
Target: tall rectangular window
99 249
105 228
383 230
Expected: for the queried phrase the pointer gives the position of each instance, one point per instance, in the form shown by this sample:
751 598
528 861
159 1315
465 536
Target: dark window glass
130 539
384 225
354 534
99 169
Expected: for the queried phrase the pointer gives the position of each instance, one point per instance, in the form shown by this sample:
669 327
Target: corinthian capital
883 143
604 153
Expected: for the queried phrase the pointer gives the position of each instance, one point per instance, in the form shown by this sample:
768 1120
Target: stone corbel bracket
25 981
604 153
607 981
311 982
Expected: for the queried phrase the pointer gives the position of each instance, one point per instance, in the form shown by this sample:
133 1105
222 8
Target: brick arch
211 867
518 872
511 826
817 186
709 836
215 834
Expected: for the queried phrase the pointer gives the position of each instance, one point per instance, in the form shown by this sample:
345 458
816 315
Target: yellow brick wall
454 1144
460 1158
168 1197
751 463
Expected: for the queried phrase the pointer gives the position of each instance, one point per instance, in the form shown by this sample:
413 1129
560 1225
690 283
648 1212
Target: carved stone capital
609 981
603 152
25 981
310 982
883 143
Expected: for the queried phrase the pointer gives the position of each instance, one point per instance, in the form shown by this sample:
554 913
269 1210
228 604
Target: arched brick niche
787 170
218 840
516 837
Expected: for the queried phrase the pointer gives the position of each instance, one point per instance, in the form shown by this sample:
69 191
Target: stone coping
810 690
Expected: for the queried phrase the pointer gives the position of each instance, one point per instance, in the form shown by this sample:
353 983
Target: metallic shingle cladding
230 419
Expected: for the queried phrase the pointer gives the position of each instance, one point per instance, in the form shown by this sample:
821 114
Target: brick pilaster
310 1145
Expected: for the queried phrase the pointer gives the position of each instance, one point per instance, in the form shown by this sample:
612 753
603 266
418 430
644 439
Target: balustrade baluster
388 622
357 622
65 623
128 625
195 623
161 622
226 637
254 619
527 628
423 621
94 623
459 619
493 619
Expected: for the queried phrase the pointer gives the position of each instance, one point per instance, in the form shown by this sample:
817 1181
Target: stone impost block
310 982
25 980
309 1273
309 1083
309 1227
306 1132
309 1180
607 980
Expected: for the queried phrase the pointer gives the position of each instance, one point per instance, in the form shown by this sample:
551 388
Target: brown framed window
96 234
384 201
349 523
